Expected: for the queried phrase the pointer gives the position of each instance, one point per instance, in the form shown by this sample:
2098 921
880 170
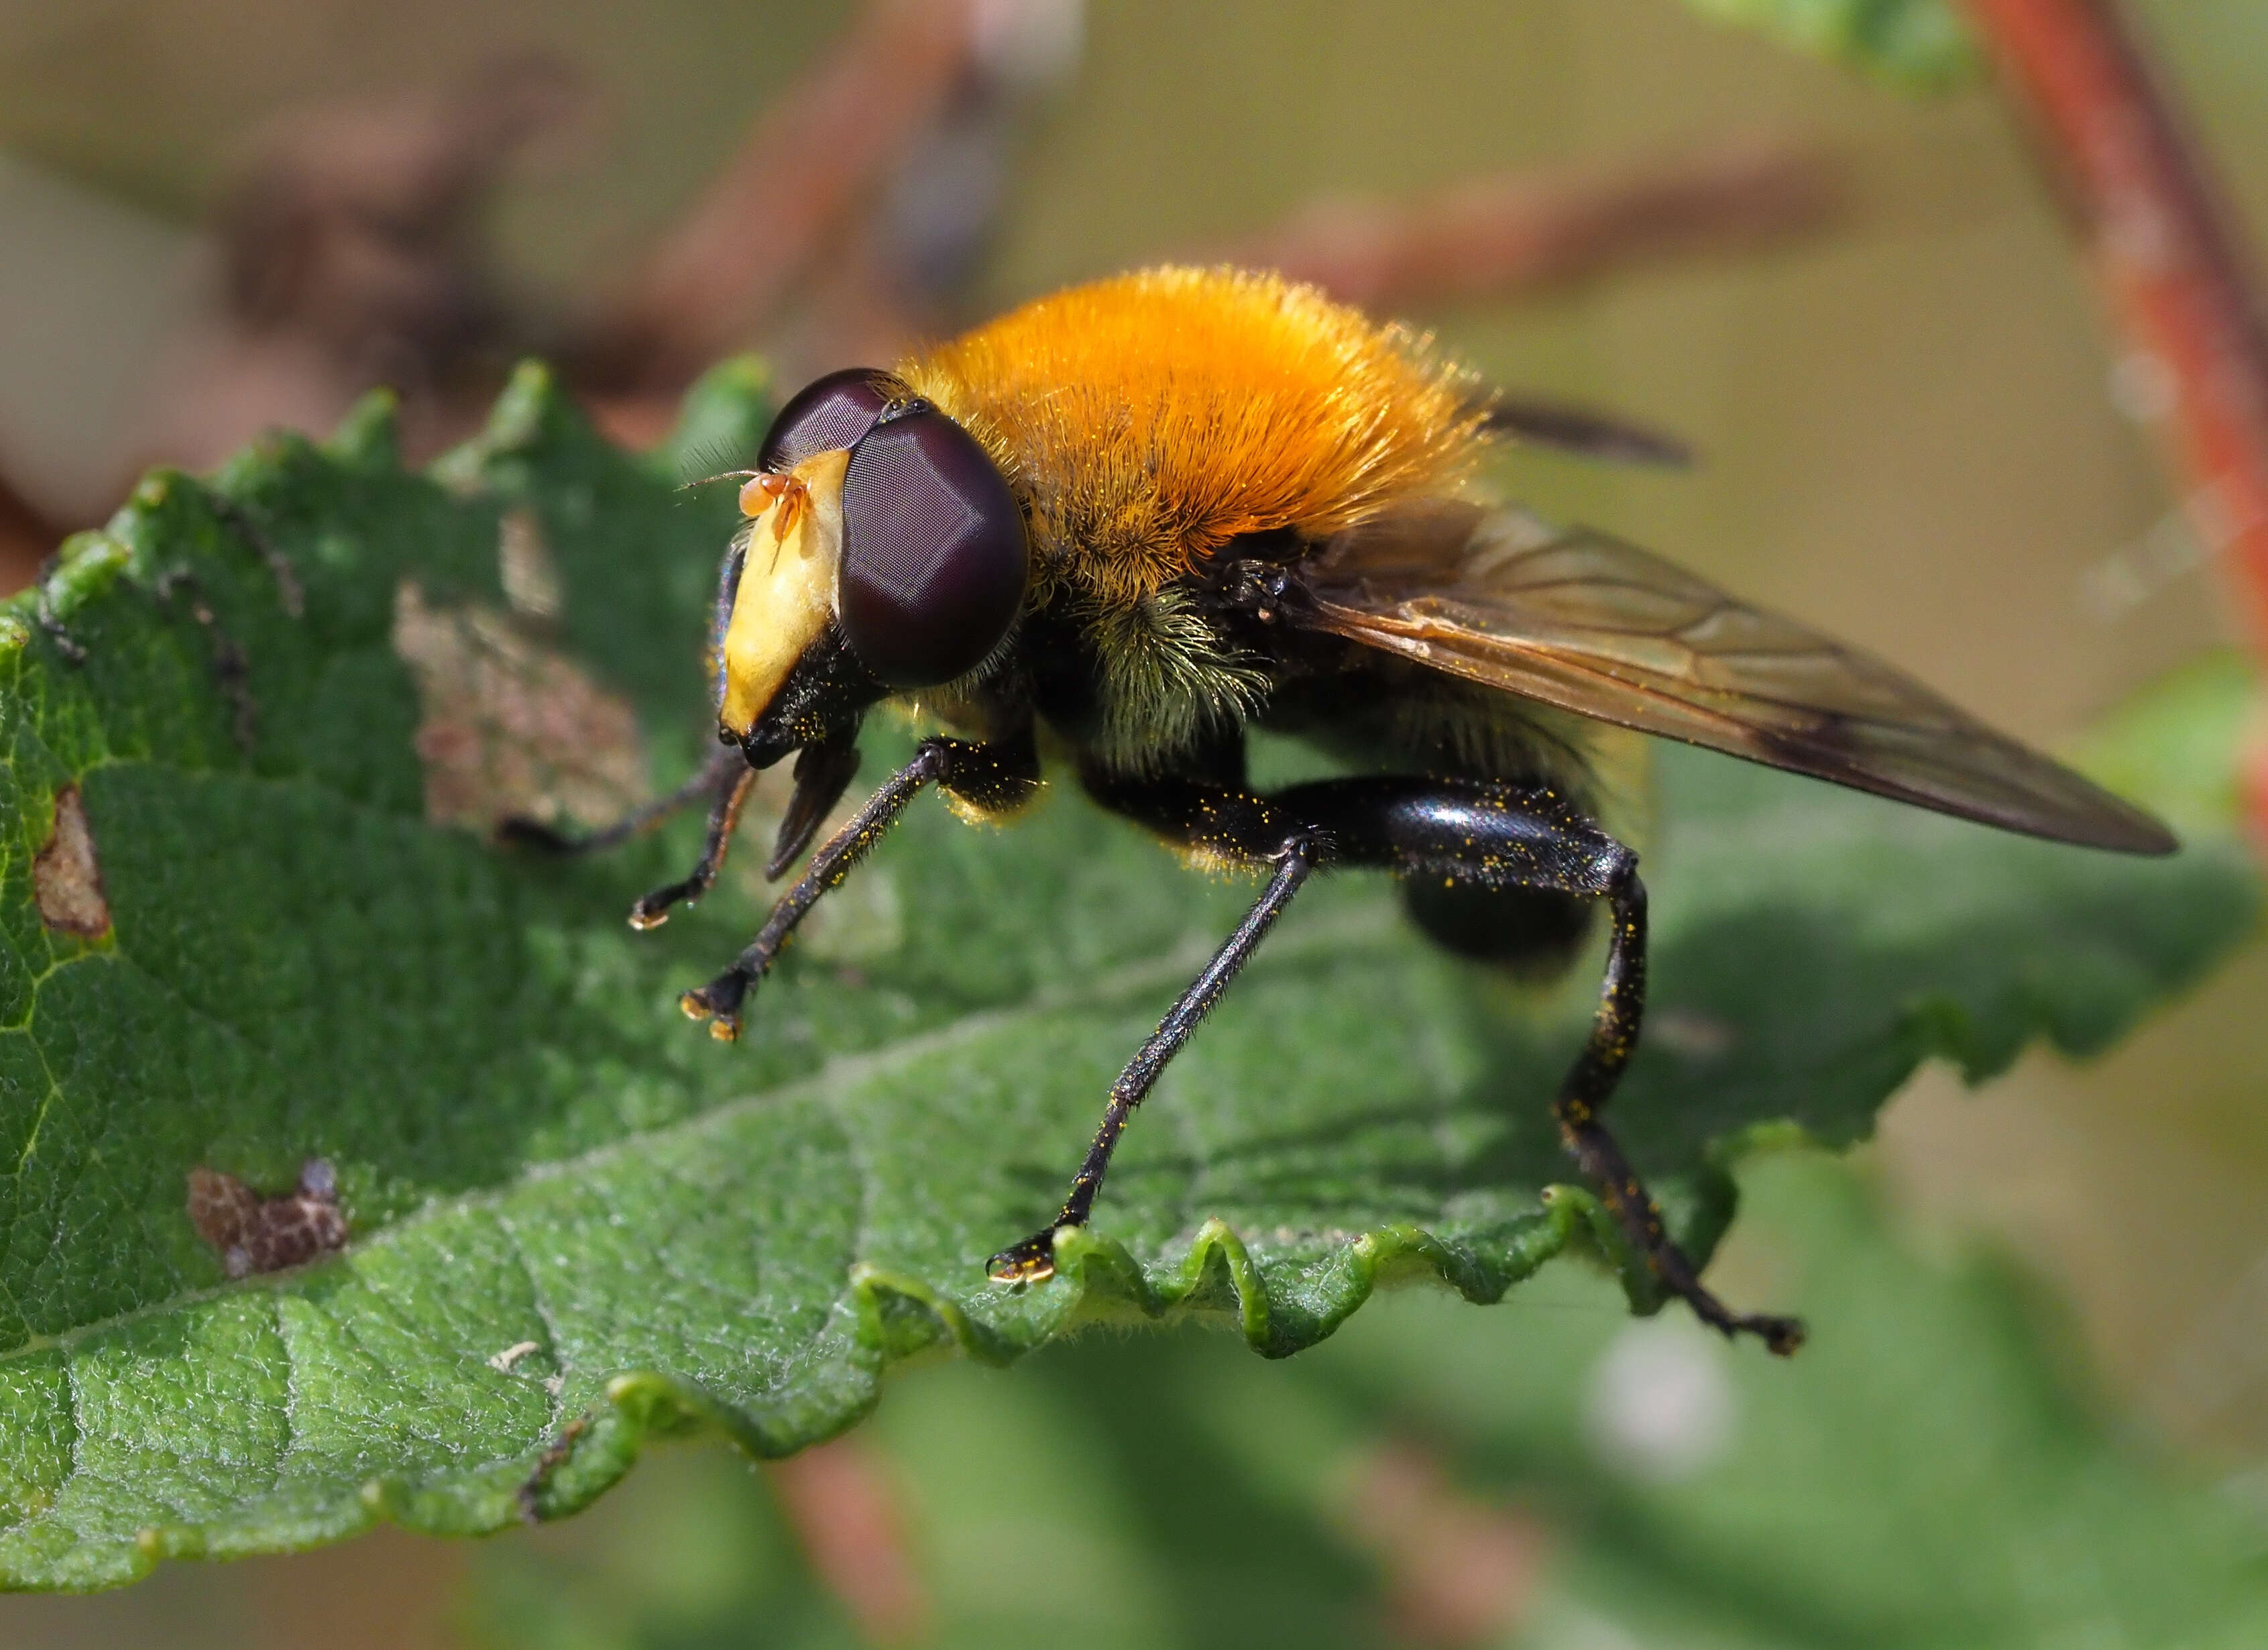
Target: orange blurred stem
2166 251
846 1512
25 539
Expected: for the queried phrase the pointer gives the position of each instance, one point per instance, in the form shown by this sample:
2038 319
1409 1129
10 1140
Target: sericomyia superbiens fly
1160 510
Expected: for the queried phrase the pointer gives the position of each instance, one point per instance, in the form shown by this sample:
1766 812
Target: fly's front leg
822 770
708 780
821 773
1498 838
993 778
725 779
653 910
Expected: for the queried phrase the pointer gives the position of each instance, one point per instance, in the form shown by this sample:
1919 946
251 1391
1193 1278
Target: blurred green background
1912 434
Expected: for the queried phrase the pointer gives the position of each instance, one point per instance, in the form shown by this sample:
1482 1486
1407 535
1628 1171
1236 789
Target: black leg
822 773
725 779
991 778
707 781
1584 1092
653 909
1499 837
1464 832
1215 822
1034 1258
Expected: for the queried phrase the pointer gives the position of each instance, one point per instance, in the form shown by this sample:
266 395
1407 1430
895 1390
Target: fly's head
882 552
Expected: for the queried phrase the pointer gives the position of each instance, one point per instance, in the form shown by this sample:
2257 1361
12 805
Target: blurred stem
846 1512
1531 232
2168 253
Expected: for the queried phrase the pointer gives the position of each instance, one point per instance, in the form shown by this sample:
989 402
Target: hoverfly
1153 512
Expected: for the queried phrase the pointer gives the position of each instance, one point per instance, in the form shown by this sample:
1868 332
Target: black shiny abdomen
1536 934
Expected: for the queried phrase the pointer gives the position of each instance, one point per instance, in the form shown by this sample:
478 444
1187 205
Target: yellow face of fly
786 592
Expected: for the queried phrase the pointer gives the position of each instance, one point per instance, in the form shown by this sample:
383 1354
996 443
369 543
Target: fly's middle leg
1234 825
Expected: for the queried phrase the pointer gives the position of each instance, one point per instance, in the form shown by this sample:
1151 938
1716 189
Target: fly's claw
653 910
1782 1337
1032 1261
719 1002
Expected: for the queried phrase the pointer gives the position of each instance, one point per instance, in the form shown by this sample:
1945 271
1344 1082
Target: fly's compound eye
933 561
828 415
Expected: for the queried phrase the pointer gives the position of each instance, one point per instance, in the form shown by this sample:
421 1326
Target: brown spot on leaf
512 729
556 1454
254 1234
66 877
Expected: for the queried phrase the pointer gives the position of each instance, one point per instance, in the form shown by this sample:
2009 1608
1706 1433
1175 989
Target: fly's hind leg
1462 831
1493 836
1583 1095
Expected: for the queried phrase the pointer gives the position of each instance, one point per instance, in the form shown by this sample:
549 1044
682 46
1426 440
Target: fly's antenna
721 476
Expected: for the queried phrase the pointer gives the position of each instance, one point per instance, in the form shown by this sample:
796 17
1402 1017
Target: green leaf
1916 45
579 1224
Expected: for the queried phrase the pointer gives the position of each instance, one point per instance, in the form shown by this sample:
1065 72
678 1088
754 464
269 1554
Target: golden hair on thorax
1150 418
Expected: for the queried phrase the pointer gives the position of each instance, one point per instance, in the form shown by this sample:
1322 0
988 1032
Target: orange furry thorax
1148 419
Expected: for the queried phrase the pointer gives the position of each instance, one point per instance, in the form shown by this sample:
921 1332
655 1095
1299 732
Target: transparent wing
1580 621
